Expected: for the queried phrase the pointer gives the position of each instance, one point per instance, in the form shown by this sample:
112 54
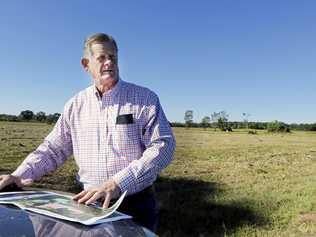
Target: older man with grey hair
117 132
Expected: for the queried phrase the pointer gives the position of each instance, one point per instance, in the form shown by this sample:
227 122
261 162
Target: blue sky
250 56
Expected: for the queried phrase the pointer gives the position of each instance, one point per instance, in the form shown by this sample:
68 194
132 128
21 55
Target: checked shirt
122 135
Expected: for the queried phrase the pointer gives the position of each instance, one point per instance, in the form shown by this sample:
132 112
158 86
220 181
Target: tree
52 118
220 120
215 117
26 115
40 116
221 123
188 118
277 126
246 119
8 117
206 122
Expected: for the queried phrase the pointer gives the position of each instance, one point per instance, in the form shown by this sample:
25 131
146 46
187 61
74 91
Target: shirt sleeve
159 143
53 152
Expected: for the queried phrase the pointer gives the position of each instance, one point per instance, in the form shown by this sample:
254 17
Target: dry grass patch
219 184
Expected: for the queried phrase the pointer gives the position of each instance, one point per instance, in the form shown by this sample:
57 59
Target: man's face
102 64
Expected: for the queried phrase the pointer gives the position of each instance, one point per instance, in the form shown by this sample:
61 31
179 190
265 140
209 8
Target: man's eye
101 58
111 57
106 57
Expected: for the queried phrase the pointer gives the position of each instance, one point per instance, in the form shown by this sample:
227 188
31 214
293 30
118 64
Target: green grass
219 184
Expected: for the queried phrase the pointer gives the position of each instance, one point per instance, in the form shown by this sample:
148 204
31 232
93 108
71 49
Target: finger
26 182
86 197
2 184
95 197
5 181
79 195
107 200
21 182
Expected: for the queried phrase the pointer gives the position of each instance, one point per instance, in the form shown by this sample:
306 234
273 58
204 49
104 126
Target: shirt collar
111 93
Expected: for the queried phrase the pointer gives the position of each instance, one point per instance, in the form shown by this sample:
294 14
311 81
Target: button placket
105 131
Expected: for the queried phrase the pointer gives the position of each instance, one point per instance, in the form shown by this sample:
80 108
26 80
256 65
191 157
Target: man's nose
108 61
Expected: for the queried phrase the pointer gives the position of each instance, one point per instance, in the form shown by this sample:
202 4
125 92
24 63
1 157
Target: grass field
219 184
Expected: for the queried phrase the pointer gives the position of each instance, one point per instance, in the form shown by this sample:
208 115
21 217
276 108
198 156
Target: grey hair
97 38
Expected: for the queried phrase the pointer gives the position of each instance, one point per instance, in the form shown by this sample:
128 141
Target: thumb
24 182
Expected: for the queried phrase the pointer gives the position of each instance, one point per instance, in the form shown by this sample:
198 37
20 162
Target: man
117 132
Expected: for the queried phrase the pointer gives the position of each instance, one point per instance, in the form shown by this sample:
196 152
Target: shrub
277 126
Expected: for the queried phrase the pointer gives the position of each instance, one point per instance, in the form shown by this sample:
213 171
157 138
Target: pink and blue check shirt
123 135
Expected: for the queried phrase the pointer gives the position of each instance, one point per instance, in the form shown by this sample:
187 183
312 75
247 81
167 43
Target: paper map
63 207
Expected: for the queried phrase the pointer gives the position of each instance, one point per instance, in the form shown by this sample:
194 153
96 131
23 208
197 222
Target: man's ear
84 63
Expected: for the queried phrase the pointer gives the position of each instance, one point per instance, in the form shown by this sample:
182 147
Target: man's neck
103 88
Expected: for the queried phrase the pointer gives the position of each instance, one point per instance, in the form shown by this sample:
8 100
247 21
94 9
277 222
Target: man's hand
107 191
8 179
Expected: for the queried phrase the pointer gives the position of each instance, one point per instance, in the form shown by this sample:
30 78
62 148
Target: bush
277 126
227 129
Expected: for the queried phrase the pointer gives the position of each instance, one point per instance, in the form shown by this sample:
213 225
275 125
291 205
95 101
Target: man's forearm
143 172
46 158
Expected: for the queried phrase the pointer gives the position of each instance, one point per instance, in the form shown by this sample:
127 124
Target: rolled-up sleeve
159 143
53 152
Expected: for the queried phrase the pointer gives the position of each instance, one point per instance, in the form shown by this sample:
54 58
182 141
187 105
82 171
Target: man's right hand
6 180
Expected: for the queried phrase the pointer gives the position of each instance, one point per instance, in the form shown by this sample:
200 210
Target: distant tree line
220 120
217 120
252 125
28 115
232 124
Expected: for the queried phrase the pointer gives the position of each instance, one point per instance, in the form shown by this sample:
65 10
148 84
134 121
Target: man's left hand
106 191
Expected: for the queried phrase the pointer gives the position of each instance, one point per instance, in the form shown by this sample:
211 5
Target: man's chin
106 80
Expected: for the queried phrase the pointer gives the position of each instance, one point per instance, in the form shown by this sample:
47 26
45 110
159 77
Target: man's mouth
107 71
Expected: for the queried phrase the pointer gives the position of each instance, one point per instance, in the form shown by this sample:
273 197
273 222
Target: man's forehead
105 47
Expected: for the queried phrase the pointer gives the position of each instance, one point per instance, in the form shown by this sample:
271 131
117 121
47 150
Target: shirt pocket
127 141
127 135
